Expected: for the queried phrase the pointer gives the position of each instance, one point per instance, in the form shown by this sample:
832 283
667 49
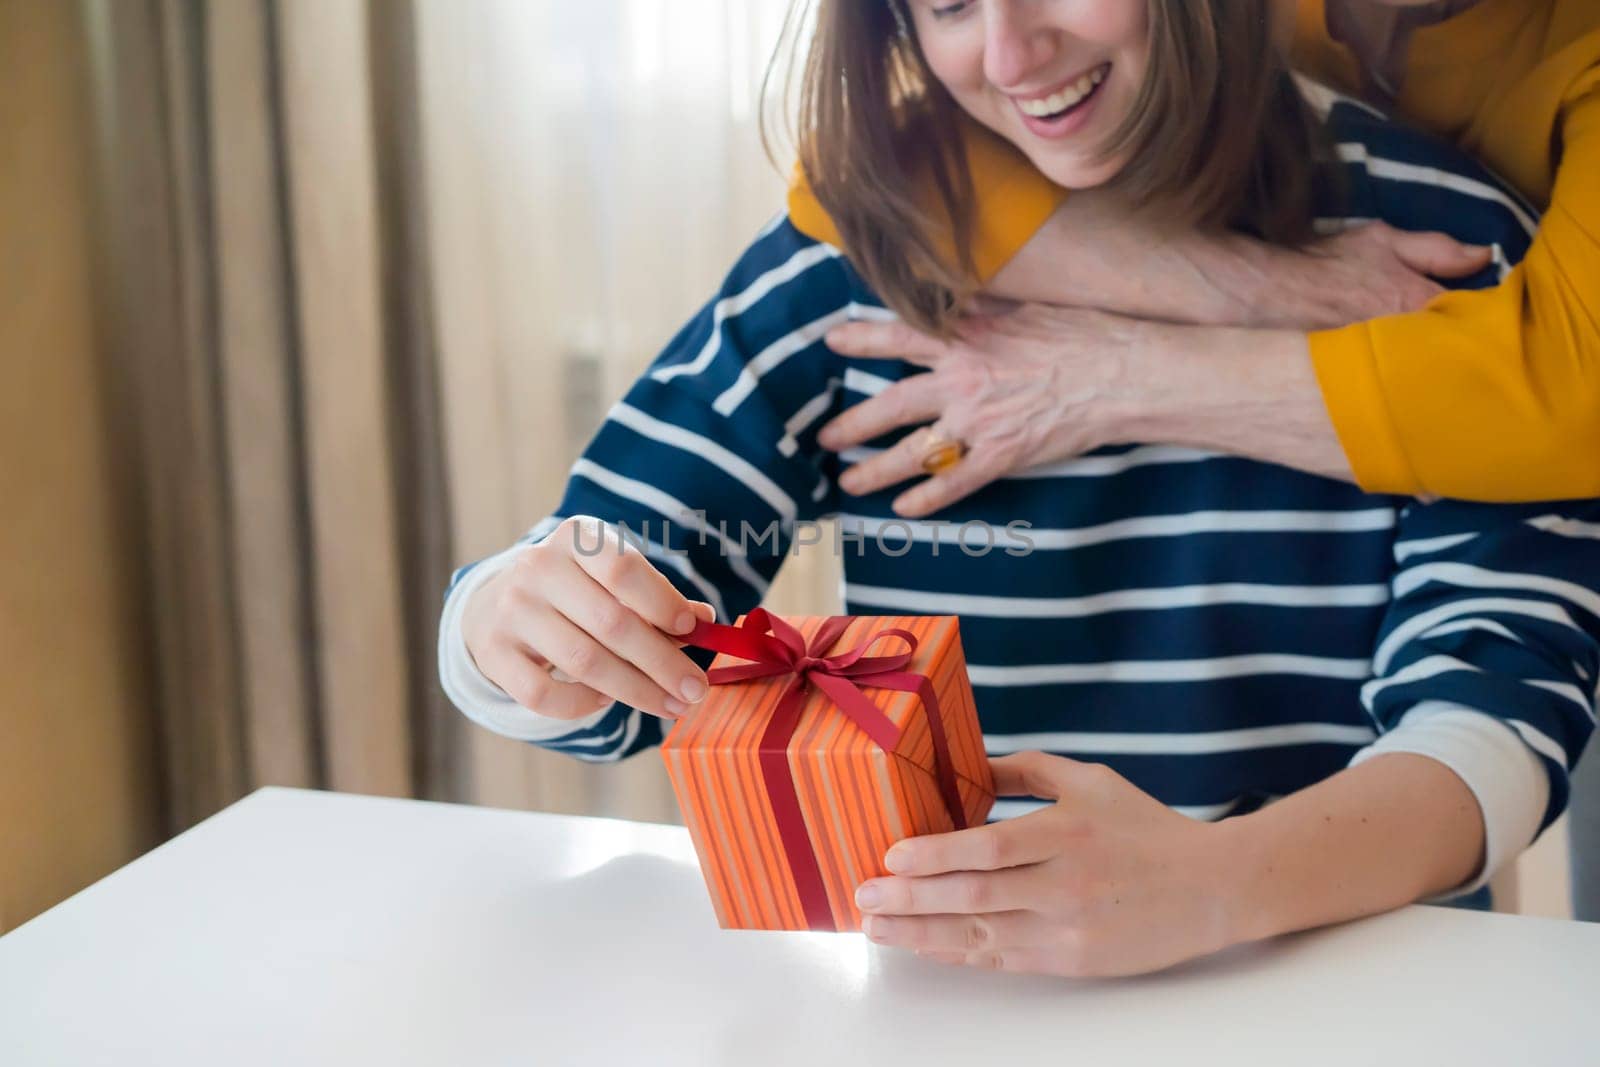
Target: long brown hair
1218 135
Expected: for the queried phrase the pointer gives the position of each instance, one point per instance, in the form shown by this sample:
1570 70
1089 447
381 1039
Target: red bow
775 648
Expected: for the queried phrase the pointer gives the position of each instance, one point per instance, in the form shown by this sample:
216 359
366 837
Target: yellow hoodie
1488 395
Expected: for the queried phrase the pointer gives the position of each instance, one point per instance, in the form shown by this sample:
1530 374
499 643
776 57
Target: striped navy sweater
1219 631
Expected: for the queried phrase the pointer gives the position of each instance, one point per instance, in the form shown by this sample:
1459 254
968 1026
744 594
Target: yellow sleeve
1013 201
1493 394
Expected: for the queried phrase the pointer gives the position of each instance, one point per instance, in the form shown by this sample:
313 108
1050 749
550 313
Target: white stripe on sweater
1434 666
1101 466
1168 670
917 602
731 307
1486 625
1192 744
1404 550
1565 527
600 742
1194 522
630 732
859 381
1394 170
1417 624
1466 576
735 466
774 355
801 420
1502 265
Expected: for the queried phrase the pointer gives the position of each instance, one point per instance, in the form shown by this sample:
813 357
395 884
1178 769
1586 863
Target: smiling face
1188 105
1056 78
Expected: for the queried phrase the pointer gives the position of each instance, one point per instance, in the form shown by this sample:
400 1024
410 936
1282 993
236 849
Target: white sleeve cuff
478 698
1504 775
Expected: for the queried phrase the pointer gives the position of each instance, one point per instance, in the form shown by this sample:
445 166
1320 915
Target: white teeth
1066 97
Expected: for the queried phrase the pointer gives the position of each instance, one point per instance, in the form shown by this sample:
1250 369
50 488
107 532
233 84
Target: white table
309 928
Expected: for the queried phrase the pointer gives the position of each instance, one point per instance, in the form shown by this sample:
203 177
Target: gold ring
940 453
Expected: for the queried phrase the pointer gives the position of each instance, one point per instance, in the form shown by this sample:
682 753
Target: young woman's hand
1107 881
587 603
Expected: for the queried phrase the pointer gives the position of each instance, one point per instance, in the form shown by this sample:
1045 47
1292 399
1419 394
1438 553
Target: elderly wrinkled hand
1027 387
1041 382
1106 881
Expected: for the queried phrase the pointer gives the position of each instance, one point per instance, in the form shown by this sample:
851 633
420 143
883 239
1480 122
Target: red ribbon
775 648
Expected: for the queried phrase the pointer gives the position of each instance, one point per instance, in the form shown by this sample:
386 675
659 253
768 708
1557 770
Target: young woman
1187 636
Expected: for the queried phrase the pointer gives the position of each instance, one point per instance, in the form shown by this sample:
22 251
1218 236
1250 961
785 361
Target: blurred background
304 303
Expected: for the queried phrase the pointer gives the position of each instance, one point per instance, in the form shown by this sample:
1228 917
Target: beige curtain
591 172
371 273
259 273
77 782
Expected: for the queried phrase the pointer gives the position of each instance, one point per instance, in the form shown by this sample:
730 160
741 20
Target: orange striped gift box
824 740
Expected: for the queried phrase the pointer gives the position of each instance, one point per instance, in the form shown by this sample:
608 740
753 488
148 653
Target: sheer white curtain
591 171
